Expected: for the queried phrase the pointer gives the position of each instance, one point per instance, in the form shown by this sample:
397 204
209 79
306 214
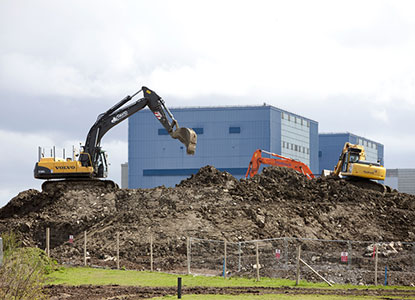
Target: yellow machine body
50 167
365 171
352 162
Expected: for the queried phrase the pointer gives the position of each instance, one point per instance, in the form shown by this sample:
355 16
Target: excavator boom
278 160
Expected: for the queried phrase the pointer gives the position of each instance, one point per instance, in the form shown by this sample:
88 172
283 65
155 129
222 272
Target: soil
211 204
115 292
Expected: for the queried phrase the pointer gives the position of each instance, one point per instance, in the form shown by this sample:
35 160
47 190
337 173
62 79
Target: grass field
90 276
78 276
82 275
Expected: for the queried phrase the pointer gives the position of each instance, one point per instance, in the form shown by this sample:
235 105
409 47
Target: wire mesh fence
340 261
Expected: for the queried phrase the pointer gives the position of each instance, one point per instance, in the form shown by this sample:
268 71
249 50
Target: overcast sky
350 65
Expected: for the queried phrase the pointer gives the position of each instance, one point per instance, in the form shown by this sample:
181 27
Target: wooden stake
85 248
315 272
118 250
297 278
224 261
48 241
376 264
188 255
257 262
151 252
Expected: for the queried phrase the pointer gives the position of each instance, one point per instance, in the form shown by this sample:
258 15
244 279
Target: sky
350 65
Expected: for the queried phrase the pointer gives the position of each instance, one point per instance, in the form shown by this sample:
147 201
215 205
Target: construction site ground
114 292
214 205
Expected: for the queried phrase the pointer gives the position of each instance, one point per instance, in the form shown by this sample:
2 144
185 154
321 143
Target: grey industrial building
402 180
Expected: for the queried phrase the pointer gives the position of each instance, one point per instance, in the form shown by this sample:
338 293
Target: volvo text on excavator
92 161
276 160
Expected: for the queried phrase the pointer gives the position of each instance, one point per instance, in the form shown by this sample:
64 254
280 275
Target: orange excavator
279 160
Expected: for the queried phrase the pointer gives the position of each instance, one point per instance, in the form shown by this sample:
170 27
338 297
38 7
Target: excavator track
52 186
368 184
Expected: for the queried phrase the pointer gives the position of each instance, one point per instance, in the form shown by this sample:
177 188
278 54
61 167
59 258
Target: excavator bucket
188 137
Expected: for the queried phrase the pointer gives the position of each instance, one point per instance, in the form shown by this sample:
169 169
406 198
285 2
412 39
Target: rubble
279 202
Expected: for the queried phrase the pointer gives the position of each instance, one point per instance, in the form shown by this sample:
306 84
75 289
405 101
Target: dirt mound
279 202
208 176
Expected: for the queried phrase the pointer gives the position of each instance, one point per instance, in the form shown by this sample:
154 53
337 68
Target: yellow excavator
352 166
92 161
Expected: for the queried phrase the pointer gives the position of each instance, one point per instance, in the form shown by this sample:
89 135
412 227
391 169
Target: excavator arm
279 160
120 111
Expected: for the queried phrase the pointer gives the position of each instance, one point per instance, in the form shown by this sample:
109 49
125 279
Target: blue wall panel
156 159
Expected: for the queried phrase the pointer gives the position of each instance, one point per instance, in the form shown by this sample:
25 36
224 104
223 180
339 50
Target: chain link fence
339 261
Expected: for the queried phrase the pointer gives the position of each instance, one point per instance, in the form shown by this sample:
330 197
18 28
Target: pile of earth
211 204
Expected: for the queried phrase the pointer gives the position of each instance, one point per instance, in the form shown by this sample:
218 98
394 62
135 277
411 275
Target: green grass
82 275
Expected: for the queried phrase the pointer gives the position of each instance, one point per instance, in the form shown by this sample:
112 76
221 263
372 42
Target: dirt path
112 292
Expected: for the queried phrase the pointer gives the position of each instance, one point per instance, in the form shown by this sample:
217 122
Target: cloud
60 66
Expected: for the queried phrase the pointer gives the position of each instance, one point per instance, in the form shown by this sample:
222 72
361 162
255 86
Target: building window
198 130
308 124
292 146
288 117
295 148
282 115
308 151
234 129
320 154
283 144
163 131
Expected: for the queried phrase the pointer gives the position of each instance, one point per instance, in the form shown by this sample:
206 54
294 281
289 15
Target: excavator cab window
345 162
354 157
102 165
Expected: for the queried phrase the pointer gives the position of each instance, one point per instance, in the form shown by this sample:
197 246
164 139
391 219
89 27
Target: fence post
151 252
376 265
286 252
85 248
188 255
48 241
297 277
257 262
1 252
239 257
118 250
224 261
413 250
